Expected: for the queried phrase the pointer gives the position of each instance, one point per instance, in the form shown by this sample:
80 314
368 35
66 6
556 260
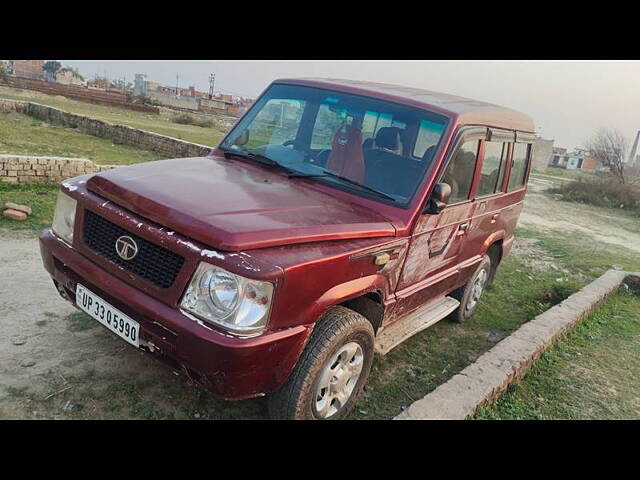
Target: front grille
154 263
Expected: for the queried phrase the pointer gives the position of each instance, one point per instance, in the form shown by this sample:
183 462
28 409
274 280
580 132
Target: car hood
233 205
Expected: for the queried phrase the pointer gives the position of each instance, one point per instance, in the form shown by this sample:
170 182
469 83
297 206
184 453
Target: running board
404 328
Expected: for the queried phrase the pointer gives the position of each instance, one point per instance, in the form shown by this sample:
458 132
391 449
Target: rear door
488 221
499 192
432 263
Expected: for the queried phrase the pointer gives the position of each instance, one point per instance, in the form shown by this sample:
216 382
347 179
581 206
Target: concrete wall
45 170
542 152
154 142
187 103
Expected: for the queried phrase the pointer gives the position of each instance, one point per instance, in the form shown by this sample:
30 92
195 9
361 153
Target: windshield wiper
259 157
253 156
329 173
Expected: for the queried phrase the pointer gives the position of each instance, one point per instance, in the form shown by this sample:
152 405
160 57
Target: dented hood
233 205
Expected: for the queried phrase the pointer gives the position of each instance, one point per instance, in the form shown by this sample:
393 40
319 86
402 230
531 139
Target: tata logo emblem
126 247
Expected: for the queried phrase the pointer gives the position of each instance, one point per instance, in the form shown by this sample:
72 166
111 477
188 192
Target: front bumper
231 367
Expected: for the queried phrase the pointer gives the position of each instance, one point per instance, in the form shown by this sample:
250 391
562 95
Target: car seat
346 157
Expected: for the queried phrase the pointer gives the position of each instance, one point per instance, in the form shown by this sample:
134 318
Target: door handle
463 228
494 218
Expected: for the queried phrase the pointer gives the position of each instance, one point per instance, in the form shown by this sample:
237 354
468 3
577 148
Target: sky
568 100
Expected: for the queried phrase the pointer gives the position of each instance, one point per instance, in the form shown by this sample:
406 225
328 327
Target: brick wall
46 170
98 97
154 142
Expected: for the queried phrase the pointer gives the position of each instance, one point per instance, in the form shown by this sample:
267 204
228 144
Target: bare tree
609 146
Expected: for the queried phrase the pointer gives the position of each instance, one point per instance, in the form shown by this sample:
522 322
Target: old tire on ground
331 371
469 294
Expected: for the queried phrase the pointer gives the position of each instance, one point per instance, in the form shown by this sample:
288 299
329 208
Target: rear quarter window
519 165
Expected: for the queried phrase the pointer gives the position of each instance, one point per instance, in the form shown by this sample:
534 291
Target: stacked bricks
45 170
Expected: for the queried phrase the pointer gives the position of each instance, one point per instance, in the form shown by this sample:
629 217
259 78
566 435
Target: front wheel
331 371
469 294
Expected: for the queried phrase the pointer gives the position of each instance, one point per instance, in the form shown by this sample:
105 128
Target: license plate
108 315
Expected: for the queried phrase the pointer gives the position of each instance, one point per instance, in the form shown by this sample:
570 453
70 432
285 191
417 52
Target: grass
23 135
41 199
605 192
161 124
431 357
568 174
583 256
593 373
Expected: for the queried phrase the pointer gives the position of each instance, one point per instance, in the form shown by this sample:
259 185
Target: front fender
347 291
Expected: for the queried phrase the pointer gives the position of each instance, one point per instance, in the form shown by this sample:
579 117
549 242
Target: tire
340 333
467 296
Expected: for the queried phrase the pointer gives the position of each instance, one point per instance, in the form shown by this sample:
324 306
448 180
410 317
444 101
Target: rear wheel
469 294
331 371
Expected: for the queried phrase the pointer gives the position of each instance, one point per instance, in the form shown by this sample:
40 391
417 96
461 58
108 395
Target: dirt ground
49 357
543 213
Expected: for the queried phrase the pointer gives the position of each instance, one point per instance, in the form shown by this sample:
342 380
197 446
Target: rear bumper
234 368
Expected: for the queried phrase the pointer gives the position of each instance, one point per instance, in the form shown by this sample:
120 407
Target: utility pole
634 149
177 76
212 82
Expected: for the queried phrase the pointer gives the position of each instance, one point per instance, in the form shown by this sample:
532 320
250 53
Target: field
593 373
23 135
145 121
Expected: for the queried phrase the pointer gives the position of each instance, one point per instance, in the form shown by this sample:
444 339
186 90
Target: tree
609 146
52 67
3 72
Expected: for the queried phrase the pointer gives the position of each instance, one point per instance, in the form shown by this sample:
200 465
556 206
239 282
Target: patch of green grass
431 357
145 121
582 254
41 199
20 135
594 373
79 322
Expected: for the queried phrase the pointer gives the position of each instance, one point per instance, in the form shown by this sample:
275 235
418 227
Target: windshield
370 147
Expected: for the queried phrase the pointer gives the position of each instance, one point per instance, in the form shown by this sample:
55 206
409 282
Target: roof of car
466 110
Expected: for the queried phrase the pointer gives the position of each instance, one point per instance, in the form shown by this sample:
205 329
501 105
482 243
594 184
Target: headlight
238 304
64 217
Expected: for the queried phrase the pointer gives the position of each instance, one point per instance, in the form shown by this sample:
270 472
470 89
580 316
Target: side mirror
439 198
242 139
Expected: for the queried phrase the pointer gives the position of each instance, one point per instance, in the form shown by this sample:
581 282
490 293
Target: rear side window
492 172
428 136
459 173
518 166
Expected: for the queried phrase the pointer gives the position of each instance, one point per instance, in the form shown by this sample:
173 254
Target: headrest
388 137
428 153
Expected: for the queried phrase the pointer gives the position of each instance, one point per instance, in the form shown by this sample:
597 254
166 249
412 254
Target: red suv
336 219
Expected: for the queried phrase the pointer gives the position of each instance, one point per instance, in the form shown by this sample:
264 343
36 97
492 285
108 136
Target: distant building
27 69
152 86
558 157
542 150
67 76
98 84
578 159
140 85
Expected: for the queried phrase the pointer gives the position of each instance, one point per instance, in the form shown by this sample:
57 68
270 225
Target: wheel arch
365 296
